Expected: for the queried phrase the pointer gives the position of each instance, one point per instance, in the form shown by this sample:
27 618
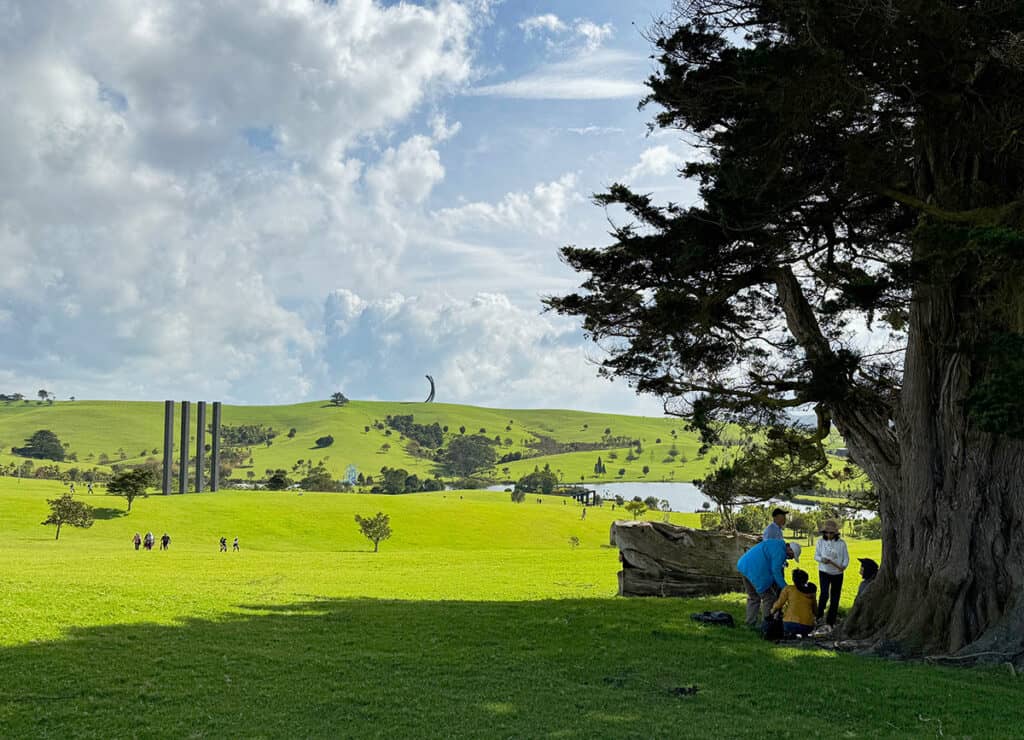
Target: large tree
131 484
857 247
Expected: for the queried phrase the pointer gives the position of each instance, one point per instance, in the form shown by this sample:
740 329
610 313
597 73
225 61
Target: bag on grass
720 618
772 628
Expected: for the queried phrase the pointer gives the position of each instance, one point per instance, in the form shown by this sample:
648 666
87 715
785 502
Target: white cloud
541 210
441 130
595 130
595 75
592 34
179 179
656 161
407 174
565 36
482 350
547 22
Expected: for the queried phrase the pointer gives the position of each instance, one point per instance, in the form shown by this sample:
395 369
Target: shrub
325 441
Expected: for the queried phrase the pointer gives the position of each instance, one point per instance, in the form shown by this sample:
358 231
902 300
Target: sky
267 201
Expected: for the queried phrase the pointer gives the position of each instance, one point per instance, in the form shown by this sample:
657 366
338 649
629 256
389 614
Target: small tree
338 399
131 484
636 508
291 433
66 510
325 441
518 495
375 528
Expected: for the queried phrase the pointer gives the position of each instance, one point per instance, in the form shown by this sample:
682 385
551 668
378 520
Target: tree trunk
57 537
376 545
952 570
129 503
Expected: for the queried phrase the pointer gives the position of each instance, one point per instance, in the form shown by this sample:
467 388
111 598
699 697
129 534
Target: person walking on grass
223 544
89 486
165 541
762 568
833 558
137 540
234 545
797 605
774 529
149 540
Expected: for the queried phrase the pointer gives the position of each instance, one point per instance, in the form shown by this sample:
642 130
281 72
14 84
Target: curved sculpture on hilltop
431 396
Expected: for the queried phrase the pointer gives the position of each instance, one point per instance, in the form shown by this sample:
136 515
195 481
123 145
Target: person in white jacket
833 559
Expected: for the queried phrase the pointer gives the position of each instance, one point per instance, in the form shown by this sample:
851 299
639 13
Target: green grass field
477 619
95 428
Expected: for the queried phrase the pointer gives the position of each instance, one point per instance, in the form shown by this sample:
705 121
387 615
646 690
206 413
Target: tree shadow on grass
105 513
572 668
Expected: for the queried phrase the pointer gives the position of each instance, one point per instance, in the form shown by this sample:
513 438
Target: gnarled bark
952 571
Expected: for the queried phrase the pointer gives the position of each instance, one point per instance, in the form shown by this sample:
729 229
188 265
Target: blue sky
270 200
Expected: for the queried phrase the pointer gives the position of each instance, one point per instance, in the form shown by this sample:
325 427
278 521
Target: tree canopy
131 484
67 510
857 248
42 445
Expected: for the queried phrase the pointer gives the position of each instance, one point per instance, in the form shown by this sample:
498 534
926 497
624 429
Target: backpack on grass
723 619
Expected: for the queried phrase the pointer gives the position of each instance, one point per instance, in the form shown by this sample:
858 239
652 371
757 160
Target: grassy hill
132 431
477 619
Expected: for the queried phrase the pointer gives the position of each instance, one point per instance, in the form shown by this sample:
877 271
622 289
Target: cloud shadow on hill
370 667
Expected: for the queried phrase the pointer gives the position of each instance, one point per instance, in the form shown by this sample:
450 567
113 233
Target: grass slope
93 428
476 620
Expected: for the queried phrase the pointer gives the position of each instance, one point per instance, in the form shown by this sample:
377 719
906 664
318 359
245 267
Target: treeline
245 435
427 435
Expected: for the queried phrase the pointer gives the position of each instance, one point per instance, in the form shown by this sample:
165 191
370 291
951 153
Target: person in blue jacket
762 568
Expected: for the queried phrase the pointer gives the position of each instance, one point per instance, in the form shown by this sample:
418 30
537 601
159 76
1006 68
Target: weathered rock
661 559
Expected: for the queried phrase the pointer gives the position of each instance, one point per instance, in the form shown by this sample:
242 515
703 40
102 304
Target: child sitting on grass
797 603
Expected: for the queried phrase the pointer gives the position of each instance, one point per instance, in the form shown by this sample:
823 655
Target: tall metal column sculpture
215 450
430 398
183 465
168 445
200 443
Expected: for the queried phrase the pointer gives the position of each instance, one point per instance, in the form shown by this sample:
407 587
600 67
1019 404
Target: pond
681 496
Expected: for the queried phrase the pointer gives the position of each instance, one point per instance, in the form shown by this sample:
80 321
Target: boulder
661 559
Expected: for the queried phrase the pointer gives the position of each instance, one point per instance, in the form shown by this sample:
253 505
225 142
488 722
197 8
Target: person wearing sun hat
762 568
833 559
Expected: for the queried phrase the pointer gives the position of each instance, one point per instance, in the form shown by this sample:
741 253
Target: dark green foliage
278 481
66 510
316 477
338 399
652 502
326 441
245 435
851 153
869 529
539 481
428 435
375 528
42 445
787 460
291 433
465 455
997 402
752 519
518 495
132 483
